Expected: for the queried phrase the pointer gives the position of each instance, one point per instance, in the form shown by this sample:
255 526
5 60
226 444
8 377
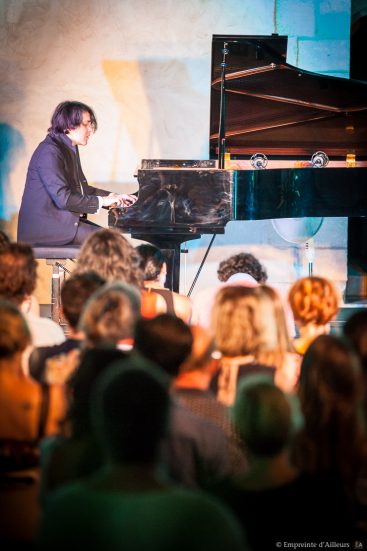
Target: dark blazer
56 193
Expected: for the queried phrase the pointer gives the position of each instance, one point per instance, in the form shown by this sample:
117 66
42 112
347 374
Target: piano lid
280 110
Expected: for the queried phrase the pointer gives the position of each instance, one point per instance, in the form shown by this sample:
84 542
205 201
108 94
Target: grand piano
294 144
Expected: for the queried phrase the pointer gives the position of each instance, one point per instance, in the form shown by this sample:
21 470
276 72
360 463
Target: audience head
201 357
108 253
244 263
152 263
93 363
165 340
263 416
313 300
75 292
68 115
355 329
14 333
331 391
243 322
110 315
131 414
18 272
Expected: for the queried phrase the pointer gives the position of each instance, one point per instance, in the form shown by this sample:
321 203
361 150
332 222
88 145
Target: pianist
57 197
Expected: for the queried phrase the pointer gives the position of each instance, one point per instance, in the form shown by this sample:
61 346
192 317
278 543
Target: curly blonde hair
313 300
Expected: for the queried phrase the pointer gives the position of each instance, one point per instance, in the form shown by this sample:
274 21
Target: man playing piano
57 197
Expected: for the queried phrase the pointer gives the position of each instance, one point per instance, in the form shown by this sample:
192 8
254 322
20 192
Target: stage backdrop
144 66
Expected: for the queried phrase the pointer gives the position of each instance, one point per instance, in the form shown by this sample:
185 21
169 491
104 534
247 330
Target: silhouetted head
131 411
165 340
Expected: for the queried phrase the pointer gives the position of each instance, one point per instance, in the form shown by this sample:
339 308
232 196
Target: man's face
80 134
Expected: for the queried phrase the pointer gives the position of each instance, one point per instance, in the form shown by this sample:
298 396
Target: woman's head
313 300
110 315
243 321
151 261
108 253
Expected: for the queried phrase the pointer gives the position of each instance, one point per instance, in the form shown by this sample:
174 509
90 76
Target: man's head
242 263
75 119
18 271
131 411
75 292
165 340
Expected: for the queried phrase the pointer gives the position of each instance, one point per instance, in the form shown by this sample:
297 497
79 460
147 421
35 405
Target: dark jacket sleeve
55 170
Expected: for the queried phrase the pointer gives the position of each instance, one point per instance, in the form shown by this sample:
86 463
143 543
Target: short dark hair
244 263
165 340
18 271
75 292
69 115
130 411
152 260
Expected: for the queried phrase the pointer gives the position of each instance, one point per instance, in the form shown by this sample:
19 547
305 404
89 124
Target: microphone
259 161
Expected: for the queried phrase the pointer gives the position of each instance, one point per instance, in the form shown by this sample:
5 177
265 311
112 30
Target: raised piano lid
280 110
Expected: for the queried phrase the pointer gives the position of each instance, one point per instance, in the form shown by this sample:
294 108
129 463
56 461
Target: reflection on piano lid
280 110
147 164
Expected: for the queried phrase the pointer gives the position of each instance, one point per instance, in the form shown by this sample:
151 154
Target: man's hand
127 200
116 200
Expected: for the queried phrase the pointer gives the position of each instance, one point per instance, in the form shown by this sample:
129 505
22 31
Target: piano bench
56 257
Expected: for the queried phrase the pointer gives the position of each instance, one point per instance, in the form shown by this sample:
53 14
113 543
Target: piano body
277 117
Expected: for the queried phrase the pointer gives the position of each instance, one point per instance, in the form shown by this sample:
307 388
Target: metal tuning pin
259 161
319 159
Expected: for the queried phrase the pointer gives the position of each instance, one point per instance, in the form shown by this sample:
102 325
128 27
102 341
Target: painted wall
145 68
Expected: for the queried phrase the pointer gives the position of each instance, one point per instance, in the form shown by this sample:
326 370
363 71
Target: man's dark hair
131 411
18 271
152 260
75 292
165 340
244 263
69 115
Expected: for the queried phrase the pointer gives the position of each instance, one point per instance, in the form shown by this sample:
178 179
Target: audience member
282 356
196 450
75 453
239 269
18 272
314 302
154 267
191 387
110 316
28 412
244 328
274 501
75 292
125 505
331 390
108 253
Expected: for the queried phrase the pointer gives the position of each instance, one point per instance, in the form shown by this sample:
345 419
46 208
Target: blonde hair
239 322
111 256
313 300
275 356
